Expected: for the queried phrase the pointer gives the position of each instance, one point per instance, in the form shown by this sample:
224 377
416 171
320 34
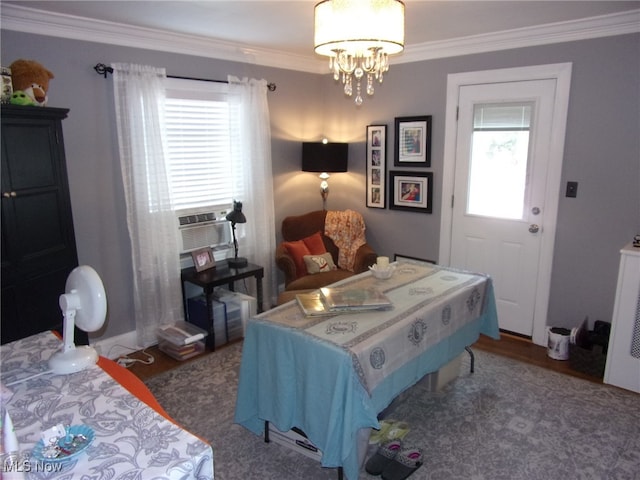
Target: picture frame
400 256
376 166
411 191
412 141
203 259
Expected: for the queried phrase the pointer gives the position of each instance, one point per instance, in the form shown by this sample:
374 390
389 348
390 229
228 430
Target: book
181 333
337 299
312 305
332 301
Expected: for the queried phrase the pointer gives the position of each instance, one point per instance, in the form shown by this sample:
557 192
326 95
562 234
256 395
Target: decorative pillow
298 250
315 244
319 263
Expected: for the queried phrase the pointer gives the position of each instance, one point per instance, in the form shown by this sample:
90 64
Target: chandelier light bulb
358 36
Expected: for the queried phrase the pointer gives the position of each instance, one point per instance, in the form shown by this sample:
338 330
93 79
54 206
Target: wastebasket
558 343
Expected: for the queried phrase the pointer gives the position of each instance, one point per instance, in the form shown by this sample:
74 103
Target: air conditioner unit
203 228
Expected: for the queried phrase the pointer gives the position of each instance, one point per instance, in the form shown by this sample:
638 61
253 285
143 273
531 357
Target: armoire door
38 242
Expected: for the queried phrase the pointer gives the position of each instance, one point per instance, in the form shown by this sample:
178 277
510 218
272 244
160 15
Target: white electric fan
84 304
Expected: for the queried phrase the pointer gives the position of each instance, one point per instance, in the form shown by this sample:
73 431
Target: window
199 144
499 160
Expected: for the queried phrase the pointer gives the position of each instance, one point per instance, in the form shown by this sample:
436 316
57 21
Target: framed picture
400 256
203 259
376 166
413 141
411 191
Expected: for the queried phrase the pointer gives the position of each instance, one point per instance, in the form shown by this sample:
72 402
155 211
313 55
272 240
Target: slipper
379 436
385 453
398 430
389 430
403 464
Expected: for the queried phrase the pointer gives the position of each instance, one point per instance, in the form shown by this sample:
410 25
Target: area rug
508 420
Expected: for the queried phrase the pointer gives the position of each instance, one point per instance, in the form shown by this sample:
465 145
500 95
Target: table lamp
324 157
236 216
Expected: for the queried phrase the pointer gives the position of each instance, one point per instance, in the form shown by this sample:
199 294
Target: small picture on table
203 259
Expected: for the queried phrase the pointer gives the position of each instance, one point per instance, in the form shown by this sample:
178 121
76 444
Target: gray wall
602 153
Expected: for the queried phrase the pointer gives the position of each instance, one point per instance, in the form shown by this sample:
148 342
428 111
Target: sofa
308 230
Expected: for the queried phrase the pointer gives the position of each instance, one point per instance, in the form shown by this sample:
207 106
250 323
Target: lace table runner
430 303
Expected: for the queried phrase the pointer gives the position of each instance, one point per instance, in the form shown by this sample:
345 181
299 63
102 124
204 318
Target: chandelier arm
346 63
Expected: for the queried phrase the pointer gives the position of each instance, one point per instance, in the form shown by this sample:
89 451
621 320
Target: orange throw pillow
298 250
315 244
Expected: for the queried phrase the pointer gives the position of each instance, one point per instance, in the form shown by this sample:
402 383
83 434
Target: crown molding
30 20
594 27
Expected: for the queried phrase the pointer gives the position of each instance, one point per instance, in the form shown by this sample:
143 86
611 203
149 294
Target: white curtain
253 182
139 99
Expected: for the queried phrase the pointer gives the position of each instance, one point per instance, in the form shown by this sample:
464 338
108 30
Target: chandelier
358 36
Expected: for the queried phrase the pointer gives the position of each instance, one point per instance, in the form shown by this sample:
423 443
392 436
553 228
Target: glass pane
498 166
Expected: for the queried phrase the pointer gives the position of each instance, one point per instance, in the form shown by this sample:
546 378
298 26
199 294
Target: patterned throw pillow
319 263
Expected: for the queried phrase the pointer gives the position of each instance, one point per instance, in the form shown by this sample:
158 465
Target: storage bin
240 308
295 440
197 315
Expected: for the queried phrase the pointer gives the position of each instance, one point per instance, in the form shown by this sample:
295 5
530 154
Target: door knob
533 228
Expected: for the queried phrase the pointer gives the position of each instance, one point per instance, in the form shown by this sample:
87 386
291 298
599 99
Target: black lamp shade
236 215
325 157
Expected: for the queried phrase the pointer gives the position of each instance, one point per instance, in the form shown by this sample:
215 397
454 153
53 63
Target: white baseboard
113 347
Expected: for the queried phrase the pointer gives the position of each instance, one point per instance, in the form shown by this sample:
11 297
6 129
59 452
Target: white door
504 152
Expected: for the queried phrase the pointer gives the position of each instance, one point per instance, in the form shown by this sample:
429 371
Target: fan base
73 361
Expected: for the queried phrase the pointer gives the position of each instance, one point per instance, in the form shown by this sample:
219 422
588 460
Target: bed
134 435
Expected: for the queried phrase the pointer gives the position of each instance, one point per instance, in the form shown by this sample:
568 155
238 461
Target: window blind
198 145
501 117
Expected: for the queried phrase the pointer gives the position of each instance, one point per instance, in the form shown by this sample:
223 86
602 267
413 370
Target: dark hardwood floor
525 350
162 362
508 345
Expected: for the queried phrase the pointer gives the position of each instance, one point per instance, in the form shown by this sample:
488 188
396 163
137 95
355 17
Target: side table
220 275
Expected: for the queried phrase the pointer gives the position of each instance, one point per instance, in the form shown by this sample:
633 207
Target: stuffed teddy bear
30 77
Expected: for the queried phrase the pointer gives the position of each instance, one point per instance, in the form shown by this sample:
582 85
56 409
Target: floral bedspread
131 439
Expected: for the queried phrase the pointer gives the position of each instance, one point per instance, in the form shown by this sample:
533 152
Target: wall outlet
572 189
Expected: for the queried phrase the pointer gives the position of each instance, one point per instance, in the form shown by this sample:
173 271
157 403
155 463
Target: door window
499 160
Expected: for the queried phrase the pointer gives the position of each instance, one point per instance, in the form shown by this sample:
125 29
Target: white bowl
382 273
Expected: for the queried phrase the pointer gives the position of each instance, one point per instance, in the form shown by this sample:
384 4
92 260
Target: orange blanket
129 382
346 229
133 384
